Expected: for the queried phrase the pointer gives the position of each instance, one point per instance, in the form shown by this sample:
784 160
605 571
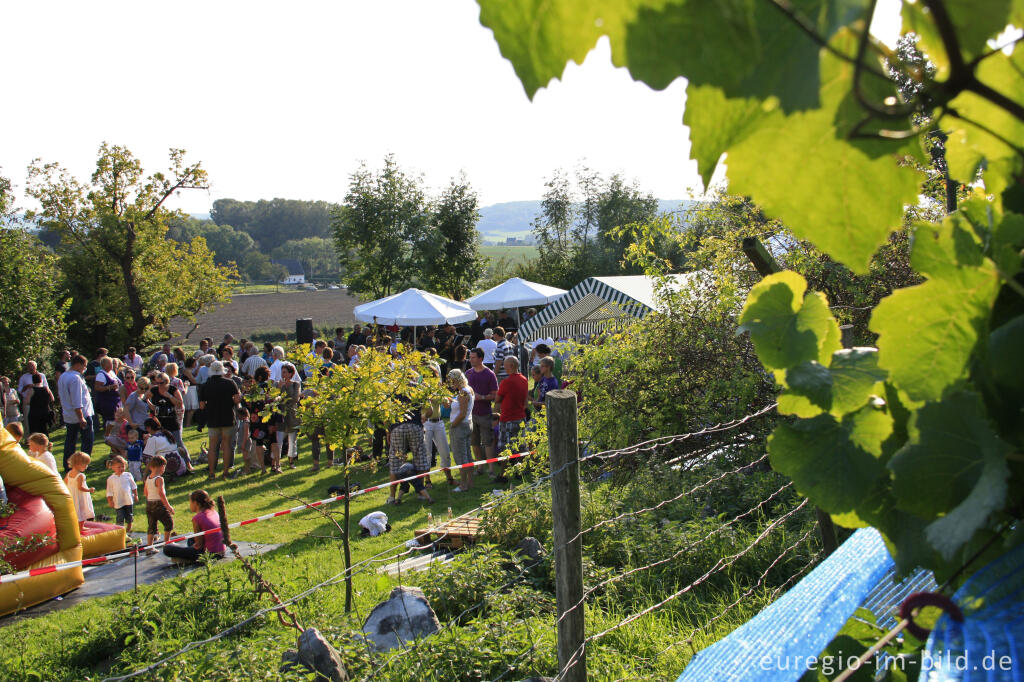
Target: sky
287 99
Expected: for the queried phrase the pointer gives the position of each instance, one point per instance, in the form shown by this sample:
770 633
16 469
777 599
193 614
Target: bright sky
285 100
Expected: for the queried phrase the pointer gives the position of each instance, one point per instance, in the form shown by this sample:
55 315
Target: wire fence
773 513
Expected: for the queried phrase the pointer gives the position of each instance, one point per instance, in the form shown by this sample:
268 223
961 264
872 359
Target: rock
320 657
405 616
289 659
532 549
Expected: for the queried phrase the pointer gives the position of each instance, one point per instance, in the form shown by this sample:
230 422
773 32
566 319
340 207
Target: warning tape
13 577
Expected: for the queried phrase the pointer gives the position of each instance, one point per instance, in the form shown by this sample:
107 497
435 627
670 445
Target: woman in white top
158 442
487 345
461 426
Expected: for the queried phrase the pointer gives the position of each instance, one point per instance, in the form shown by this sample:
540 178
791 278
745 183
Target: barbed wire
721 564
664 441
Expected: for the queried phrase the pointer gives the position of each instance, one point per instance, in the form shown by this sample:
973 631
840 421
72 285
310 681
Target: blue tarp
777 644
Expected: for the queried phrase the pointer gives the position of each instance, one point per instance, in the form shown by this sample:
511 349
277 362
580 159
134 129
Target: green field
512 253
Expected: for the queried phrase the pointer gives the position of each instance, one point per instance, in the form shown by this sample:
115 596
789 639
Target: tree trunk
346 545
139 321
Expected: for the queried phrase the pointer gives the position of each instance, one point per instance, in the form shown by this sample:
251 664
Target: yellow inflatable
34 479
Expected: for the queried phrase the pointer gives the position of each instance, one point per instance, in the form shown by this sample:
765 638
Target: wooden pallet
453 534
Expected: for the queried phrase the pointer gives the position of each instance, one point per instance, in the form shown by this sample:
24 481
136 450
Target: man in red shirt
513 394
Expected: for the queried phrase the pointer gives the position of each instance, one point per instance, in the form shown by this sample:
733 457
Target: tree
271 222
315 253
127 279
453 264
32 309
341 404
578 229
922 436
227 244
381 230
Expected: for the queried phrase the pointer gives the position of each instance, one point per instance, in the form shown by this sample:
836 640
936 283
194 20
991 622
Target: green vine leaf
832 461
927 333
848 216
786 326
1006 358
843 387
745 47
976 22
973 132
956 459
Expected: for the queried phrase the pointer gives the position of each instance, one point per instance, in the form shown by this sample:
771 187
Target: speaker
304 330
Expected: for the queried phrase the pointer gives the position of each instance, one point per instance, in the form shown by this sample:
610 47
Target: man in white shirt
253 362
26 378
275 368
487 345
133 359
76 408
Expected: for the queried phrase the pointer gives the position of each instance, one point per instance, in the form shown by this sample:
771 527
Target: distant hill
513 218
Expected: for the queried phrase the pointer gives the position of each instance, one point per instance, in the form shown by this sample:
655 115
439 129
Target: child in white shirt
122 492
39 448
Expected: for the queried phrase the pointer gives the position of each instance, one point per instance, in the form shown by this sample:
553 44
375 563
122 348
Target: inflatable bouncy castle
44 508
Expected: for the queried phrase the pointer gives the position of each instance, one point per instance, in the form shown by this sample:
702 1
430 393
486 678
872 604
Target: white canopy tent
414 308
515 293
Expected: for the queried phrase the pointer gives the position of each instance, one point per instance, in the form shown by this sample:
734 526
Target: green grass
264 289
126 632
520 254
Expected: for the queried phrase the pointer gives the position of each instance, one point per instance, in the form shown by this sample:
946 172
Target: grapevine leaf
949 533
973 132
855 378
1006 358
809 391
976 21
846 196
832 462
1007 241
786 327
951 443
745 47
717 123
841 388
928 332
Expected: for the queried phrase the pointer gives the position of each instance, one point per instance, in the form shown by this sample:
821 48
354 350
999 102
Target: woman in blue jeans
461 426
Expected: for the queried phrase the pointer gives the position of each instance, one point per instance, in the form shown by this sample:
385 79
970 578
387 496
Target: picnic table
453 534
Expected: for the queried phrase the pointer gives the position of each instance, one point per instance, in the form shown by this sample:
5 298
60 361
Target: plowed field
249 312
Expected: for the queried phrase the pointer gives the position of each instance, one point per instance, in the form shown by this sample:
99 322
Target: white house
296 275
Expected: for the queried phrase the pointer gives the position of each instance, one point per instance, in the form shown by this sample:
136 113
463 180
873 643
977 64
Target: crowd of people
140 406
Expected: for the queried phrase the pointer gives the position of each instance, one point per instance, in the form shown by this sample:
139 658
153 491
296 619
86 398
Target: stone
289 660
532 549
404 617
320 657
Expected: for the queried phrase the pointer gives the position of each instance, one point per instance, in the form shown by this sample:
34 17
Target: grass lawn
310 553
513 253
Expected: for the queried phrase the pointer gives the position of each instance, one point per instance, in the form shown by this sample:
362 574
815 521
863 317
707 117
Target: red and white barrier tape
13 577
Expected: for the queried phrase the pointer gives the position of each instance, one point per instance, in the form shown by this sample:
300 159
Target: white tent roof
515 293
414 307
597 302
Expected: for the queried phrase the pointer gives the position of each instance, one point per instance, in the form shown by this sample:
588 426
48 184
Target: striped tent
595 304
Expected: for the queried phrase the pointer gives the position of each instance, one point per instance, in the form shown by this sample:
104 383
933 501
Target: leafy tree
256 267
453 262
271 222
127 280
577 228
381 230
341 404
921 438
315 253
618 205
32 310
227 244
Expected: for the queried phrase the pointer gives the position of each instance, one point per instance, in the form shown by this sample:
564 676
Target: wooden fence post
565 506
